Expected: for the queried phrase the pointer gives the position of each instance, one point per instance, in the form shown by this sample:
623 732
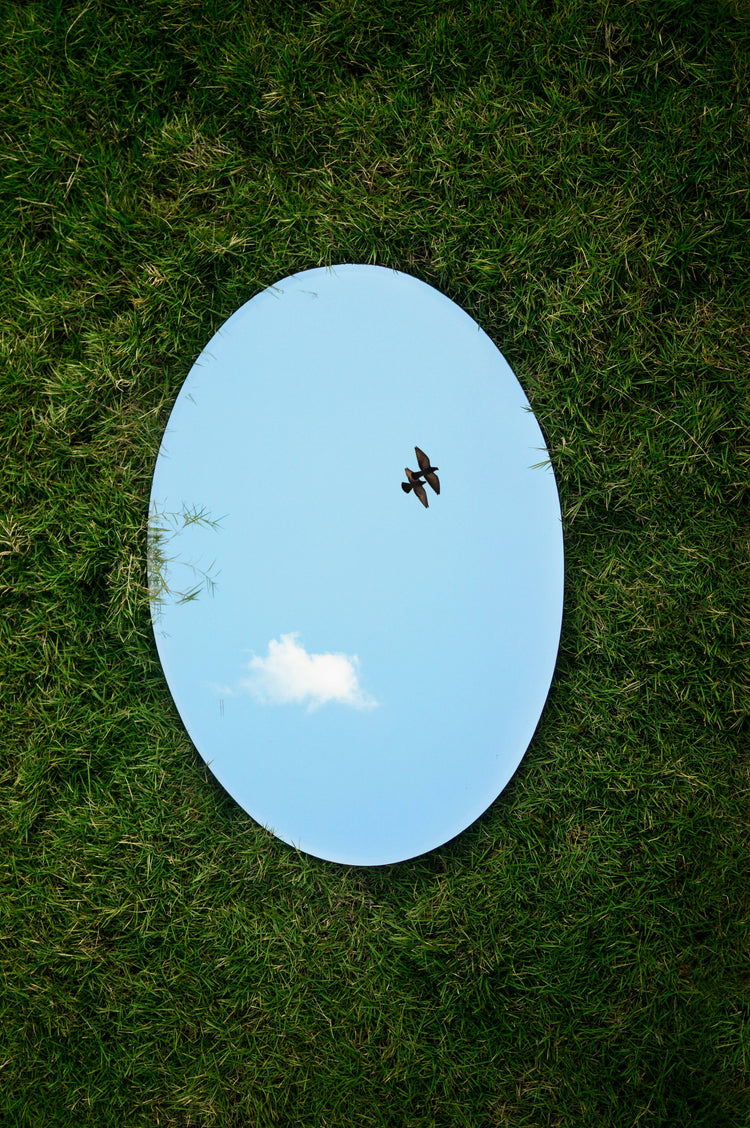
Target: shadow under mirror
368 637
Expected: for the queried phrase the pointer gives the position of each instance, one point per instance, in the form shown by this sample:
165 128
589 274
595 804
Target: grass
575 175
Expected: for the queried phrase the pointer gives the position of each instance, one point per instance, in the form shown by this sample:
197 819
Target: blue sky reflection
368 673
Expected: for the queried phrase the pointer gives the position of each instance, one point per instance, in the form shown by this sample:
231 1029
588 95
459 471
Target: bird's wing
434 482
422 459
422 495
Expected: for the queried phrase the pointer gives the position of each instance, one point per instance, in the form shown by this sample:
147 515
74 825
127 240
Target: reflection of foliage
162 529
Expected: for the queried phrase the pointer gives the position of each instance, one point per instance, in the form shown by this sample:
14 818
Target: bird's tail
406 487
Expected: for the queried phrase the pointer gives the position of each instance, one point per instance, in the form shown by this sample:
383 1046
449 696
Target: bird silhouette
414 483
426 470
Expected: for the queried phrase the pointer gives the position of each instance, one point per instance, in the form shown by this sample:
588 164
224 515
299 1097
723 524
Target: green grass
575 175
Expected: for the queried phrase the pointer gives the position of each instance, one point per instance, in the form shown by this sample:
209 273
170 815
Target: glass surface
361 672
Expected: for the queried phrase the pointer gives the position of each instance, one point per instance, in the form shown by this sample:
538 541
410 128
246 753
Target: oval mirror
356 564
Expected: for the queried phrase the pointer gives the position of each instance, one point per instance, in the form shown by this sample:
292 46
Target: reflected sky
367 673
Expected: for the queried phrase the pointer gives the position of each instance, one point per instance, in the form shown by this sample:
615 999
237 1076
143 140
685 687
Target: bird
414 483
426 470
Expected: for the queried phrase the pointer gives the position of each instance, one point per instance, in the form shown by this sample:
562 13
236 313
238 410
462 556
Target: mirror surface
362 673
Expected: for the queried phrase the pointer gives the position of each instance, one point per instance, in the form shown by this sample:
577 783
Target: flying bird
414 483
414 478
426 470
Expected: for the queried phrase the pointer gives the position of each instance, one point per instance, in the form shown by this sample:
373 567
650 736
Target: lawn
575 176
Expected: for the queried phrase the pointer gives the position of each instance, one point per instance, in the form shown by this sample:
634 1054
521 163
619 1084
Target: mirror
362 672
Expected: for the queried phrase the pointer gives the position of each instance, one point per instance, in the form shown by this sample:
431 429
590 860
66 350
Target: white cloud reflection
288 674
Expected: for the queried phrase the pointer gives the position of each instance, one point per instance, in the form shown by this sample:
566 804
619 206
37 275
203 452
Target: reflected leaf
163 528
